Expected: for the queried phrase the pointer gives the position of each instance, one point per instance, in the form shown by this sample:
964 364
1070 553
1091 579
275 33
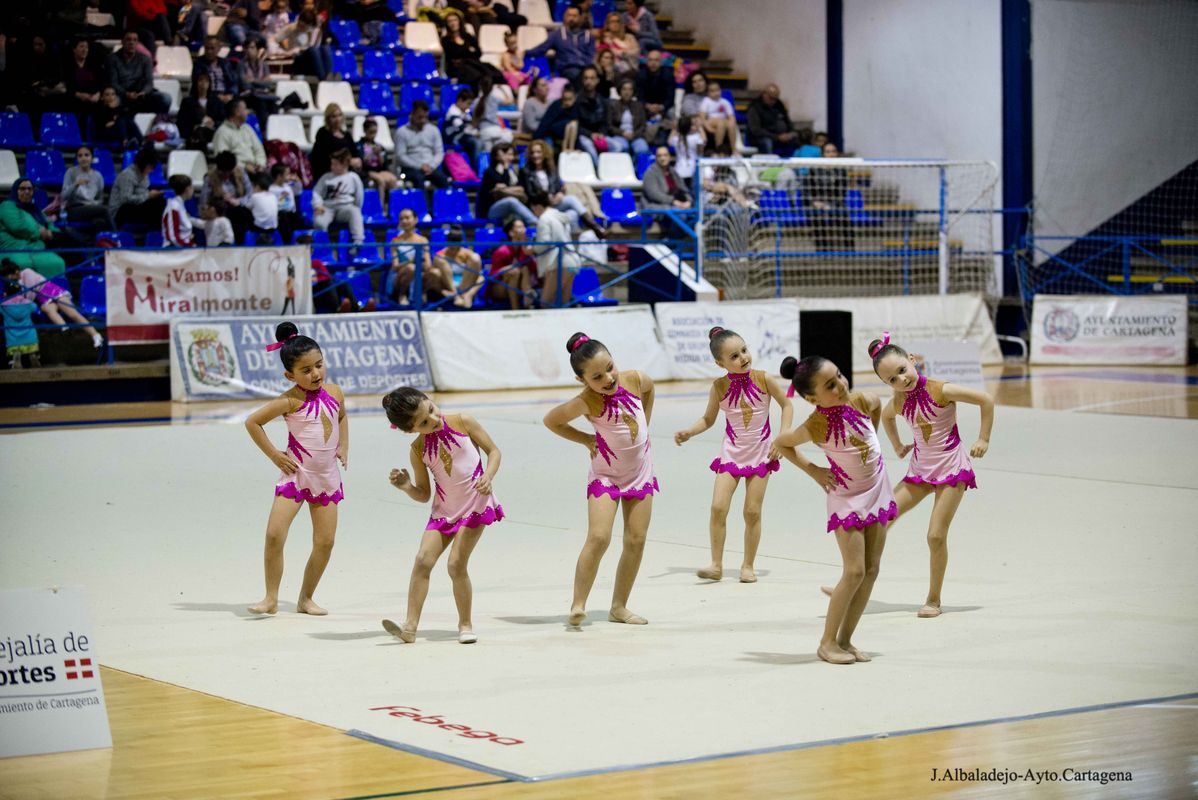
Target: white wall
779 41
923 79
1115 109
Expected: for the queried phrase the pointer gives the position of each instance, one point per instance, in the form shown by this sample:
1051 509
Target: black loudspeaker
828 334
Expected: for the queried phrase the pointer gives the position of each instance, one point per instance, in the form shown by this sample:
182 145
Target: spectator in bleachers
719 118
592 113
257 88
719 132
511 63
51 299
37 74
770 128
177 222
227 192
642 24
332 137
420 153
149 17
82 193
243 22
303 41
376 161
504 15
543 187
337 198
626 122
560 120
554 226
486 113
282 186
405 248
823 191
663 186
535 105
131 200
456 257
112 124
273 25
23 226
463 58
237 137
623 45
808 148
222 73
572 46
20 335
264 209
513 269
609 76
189 24
688 144
132 74
459 130
655 89
502 191
200 109
84 79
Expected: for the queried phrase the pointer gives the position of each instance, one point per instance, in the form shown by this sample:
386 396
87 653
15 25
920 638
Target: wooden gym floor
171 742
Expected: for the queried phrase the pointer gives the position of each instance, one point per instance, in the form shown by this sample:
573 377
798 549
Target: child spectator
511 63
20 336
177 222
53 300
337 198
375 161
264 206
716 107
459 126
283 188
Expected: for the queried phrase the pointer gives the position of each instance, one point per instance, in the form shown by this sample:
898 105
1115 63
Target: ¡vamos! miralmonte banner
146 289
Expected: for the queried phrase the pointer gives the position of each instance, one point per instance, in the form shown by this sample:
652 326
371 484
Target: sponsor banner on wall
147 289
521 349
769 327
950 317
1106 329
951 362
226 357
51 698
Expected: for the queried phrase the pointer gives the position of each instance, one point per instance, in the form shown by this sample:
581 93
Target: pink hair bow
790 390
278 345
885 340
578 342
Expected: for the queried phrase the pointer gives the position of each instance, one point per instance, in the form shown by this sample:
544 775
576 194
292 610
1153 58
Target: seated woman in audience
437 279
302 41
333 137
535 105
83 193
84 78
605 62
112 124
200 109
716 130
257 88
456 257
543 187
513 273
502 191
226 192
616 38
23 226
463 58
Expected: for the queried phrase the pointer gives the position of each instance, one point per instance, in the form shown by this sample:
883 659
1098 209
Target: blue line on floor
776 748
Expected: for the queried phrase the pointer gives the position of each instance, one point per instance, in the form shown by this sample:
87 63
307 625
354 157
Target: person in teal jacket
23 226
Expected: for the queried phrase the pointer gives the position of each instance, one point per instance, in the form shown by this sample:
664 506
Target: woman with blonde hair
615 37
333 137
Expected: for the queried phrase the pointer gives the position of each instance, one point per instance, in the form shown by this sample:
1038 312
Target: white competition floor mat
1071 584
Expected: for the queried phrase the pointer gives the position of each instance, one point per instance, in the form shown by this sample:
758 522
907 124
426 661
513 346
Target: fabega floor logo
464 731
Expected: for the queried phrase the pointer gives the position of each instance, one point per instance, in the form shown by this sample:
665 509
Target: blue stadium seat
854 201
322 247
251 119
586 290
449 94
421 67
643 162
484 162
154 240
372 210
377 98
620 206
92 298
487 237
305 204
388 36
60 130
775 206
114 239
15 131
380 65
45 167
411 92
541 64
436 237
104 165
407 198
599 11
559 9
452 206
347 33
359 283
157 178
368 252
345 63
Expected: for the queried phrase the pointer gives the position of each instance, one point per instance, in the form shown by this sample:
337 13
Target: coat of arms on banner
210 356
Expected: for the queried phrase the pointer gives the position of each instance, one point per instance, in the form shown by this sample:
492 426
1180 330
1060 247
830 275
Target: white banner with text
769 327
1107 329
146 289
